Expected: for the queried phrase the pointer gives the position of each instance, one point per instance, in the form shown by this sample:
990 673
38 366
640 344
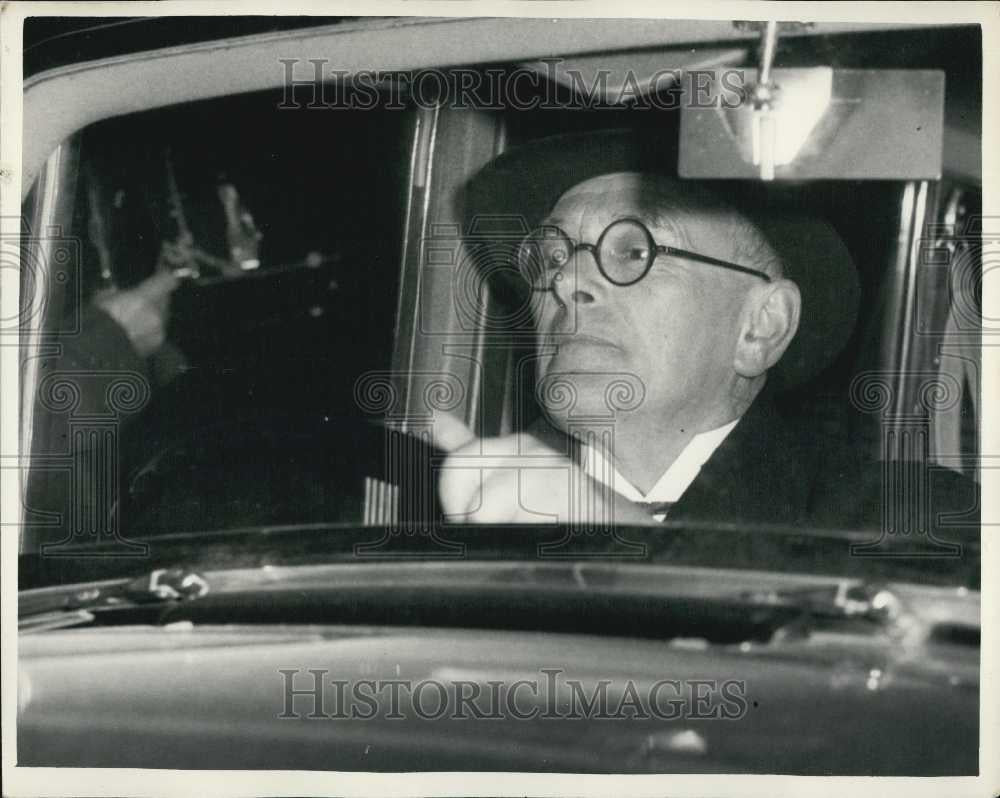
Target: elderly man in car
667 318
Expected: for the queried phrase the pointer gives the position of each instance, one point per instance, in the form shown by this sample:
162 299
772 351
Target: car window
235 379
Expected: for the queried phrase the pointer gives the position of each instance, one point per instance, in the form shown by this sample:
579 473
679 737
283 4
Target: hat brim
524 183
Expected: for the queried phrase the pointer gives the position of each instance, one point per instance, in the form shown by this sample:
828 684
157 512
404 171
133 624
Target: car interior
370 302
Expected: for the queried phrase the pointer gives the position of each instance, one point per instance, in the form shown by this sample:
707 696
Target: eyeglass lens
624 253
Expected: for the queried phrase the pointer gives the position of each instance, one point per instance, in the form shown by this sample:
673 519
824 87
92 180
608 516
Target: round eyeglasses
624 254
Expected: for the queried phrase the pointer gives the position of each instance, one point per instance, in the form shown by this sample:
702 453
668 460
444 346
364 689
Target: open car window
235 271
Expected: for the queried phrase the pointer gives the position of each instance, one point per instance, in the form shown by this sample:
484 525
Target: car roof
84 73
51 42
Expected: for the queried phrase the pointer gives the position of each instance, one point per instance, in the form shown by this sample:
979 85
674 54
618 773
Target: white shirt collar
674 481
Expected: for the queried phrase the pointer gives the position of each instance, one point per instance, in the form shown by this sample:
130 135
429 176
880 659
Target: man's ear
770 320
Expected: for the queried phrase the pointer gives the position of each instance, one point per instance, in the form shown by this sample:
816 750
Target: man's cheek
542 364
544 311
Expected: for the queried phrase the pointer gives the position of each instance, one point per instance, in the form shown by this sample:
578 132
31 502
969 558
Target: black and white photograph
425 399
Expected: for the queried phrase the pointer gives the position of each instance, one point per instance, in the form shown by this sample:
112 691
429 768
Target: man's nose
580 281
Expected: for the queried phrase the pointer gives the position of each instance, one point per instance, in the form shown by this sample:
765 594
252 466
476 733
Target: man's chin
586 358
600 390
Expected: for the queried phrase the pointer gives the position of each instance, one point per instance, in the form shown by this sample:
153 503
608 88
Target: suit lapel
757 473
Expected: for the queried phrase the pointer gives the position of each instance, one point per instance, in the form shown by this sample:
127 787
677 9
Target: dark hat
524 183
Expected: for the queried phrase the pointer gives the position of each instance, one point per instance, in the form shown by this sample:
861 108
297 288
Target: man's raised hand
518 479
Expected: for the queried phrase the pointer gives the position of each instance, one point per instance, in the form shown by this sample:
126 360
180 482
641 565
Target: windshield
597 378
285 313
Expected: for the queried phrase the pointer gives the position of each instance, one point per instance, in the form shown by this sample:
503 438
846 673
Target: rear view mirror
823 123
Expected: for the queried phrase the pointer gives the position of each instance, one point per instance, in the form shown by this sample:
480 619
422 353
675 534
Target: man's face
670 337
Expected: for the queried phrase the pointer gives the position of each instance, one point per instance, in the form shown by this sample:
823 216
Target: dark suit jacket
90 363
767 471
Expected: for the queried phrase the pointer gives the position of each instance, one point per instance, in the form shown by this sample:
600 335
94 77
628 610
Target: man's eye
637 254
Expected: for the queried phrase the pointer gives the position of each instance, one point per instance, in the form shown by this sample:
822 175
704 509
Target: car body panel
137 697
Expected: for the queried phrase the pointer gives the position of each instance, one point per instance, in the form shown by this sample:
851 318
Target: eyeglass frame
655 249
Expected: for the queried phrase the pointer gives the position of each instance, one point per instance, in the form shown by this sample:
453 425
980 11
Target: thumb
450 434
